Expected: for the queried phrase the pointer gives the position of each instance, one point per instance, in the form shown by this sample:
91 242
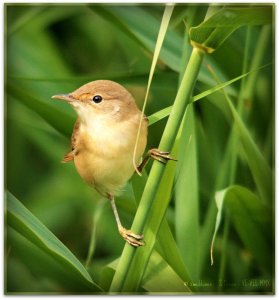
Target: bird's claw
161 156
131 238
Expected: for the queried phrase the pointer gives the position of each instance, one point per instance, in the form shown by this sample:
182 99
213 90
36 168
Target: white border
2 138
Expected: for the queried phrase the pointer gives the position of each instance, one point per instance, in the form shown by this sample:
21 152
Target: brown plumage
70 155
103 140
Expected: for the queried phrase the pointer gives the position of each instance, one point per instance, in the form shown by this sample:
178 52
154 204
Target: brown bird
103 141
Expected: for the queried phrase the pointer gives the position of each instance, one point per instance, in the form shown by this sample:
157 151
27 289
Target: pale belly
106 175
107 167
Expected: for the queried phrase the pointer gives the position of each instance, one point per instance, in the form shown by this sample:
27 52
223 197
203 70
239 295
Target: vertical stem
182 99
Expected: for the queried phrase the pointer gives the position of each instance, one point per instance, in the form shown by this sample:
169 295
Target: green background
52 49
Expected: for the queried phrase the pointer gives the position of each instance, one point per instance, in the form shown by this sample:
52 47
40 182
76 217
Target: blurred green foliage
51 49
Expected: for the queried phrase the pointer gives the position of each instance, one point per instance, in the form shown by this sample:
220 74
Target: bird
103 141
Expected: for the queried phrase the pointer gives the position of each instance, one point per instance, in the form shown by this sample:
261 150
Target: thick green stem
182 99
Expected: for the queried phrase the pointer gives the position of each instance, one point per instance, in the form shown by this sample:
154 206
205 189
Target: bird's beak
64 97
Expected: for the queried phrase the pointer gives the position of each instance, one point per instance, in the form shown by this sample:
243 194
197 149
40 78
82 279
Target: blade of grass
162 32
44 271
168 249
20 219
186 197
159 115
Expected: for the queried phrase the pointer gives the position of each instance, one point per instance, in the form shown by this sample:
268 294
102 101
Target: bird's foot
131 238
161 156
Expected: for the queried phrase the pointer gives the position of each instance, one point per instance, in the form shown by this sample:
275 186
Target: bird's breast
104 154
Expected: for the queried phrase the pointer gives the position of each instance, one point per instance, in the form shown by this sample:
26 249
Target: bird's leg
161 156
130 237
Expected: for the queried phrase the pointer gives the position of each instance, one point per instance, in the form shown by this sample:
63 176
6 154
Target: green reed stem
183 97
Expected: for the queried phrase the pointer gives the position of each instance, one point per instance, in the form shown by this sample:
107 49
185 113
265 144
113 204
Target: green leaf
46 273
159 115
210 34
24 222
168 249
222 85
252 220
219 204
187 197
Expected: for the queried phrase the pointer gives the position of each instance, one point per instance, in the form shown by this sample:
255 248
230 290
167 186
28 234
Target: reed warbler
103 141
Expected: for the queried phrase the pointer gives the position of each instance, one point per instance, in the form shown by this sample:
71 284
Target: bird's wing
70 155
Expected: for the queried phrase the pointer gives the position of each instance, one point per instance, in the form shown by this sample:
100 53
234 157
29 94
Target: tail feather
68 157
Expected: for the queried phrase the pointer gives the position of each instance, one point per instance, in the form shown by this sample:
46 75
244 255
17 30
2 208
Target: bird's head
102 99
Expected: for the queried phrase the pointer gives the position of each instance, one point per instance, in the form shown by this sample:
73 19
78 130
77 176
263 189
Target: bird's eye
97 99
